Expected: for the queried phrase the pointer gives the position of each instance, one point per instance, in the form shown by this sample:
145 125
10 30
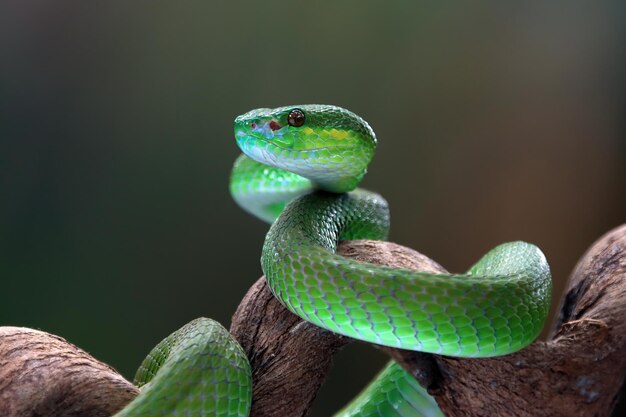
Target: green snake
299 171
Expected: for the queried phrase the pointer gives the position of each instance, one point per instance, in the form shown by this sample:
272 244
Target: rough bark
579 371
44 375
269 334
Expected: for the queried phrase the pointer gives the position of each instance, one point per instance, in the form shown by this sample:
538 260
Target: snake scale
299 170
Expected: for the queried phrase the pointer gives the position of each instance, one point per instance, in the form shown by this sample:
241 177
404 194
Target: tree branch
44 375
578 372
289 357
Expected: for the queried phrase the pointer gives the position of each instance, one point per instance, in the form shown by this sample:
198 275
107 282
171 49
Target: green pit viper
299 171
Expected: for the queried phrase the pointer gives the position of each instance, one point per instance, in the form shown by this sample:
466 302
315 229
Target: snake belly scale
300 169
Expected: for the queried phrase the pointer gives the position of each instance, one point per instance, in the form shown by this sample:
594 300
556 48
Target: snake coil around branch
299 171
579 371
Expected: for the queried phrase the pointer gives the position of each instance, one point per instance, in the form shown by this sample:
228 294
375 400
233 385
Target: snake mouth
313 163
245 138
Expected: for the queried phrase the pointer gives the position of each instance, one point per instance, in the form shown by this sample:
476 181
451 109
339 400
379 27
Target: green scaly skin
497 307
199 370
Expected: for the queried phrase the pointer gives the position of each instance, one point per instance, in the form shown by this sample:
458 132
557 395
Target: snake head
327 144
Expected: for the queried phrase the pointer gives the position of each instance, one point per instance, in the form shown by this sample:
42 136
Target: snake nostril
274 126
253 125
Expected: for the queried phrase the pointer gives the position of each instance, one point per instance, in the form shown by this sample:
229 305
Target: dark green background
495 123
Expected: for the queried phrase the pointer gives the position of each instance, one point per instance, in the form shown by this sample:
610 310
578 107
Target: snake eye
296 118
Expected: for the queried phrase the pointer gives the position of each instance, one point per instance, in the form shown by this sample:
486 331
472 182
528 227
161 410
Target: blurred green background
495 123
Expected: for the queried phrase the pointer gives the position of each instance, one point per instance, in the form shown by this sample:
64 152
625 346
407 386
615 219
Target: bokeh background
495 123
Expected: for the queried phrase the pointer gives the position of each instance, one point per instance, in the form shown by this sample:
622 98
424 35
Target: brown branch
44 375
578 372
289 357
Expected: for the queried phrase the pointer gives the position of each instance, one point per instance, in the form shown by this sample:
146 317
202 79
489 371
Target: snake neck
336 185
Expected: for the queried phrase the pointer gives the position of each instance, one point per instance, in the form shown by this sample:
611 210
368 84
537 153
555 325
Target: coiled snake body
299 170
